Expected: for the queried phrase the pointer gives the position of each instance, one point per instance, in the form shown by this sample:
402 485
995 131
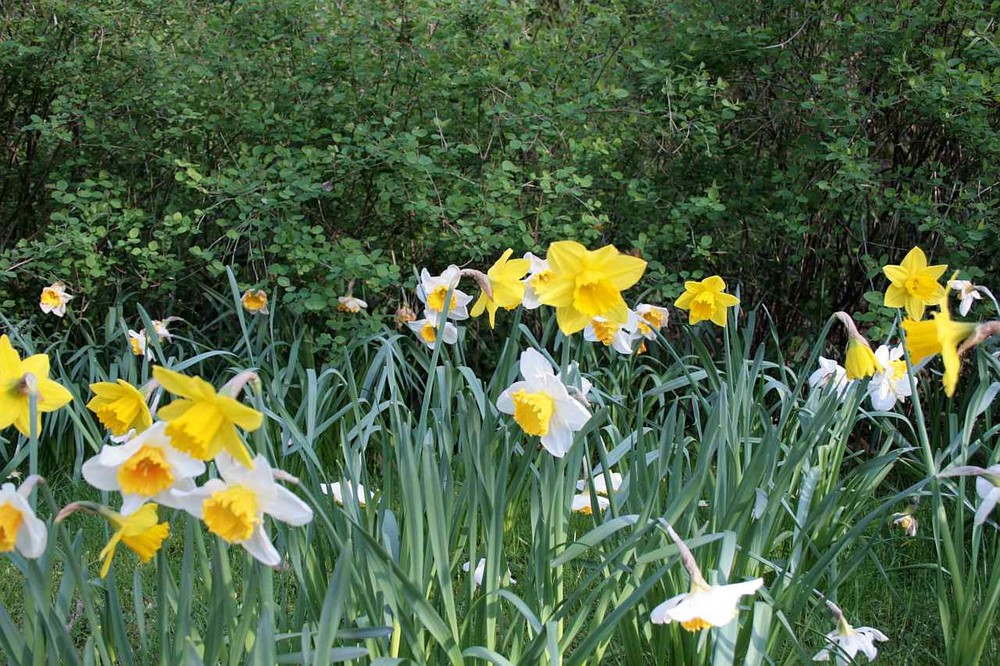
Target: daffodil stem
31 384
687 558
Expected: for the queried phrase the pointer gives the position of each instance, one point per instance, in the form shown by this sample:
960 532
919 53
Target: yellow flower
587 284
120 407
914 284
255 301
505 281
18 379
203 422
707 300
938 335
140 531
861 361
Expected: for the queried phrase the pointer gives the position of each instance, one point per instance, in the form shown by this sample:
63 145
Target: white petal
533 365
661 614
115 456
100 476
131 502
559 439
31 534
572 413
505 403
260 547
986 507
287 507
193 501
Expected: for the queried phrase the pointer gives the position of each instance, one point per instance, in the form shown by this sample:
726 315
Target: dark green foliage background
793 147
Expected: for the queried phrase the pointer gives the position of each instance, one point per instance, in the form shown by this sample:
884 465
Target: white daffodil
539 275
892 382
427 330
338 490
20 528
480 571
845 642
255 302
542 405
581 504
139 345
161 330
906 522
54 299
234 506
351 304
651 318
617 336
145 468
600 483
987 487
829 372
968 293
433 290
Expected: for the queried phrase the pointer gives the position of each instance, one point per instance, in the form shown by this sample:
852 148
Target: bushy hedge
792 147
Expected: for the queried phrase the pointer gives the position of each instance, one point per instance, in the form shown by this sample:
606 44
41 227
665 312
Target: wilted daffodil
539 274
20 528
705 605
846 641
234 506
255 302
587 284
54 299
906 521
938 335
141 530
145 468
433 290
204 422
892 382
860 360
120 407
506 289
914 284
21 379
542 406
706 300
427 330
351 304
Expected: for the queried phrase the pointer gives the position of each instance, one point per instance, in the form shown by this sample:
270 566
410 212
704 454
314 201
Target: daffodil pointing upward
19 380
914 284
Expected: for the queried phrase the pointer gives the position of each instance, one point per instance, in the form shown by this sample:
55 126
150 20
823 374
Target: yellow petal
52 396
38 365
914 261
232 443
195 388
566 256
684 301
10 360
915 307
895 296
571 320
714 283
174 410
896 274
245 417
558 291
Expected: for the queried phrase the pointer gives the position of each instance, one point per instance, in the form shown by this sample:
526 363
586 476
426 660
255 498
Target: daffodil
506 289
539 274
906 521
233 507
146 468
404 315
587 284
141 531
20 528
581 503
987 487
202 422
54 299
860 361
255 302
914 284
339 491
618 336
427 330
651 318
892 382
542 405
161 330
120 407
829 373
968 294
938 335
706 300
480 571
139 344
600 483
351 304
845 642
21 379
433 290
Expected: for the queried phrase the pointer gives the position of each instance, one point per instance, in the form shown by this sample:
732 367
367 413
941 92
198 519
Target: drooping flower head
846 641
914 284
433 292
141 530
351 304
539 275
234 506
202 422
54 299
906 521
139 344
600 483
21 379
587 284
427 330
146 468
651 318
892 382
939 335
120 407
404 315
542 406
255 301
161 330
706 300
860 361
506 289
20 528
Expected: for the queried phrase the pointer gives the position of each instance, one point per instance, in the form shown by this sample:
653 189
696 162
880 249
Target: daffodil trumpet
860 361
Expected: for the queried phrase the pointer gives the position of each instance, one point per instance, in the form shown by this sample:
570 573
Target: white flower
351 304
601 484
538 274
705 605
480 571
968 293
906 522
581 503
139 345
830 371
617 336
146 468
54 299
651 318
337 489
234 506
542 405
160 328
987 487
892 382
20 528
846 641
433 290
427 330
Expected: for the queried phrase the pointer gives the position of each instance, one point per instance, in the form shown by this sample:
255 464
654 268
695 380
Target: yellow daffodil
914 284
587 283
120 407
938 335
204 422
20 528
140 531
706 300
505 283
860 361
54 299
18 380
255 302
